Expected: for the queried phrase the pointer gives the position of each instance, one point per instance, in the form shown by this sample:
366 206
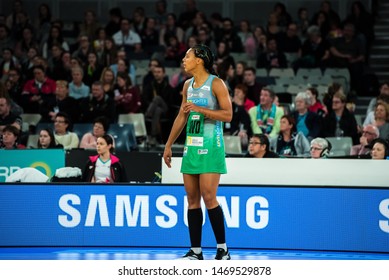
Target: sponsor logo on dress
194 141
195 117
205 88
202 151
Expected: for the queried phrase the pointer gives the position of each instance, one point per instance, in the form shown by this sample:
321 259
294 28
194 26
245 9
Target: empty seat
232 144
281 72
30 120
124 135
261 72
81 128
341 146
138 120
295 89
32 141
307 72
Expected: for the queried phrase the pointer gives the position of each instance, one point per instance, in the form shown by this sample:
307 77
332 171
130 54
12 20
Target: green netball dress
204 145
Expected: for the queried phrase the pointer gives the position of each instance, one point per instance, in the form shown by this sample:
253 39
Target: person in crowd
62 103
348 51
109 54
123 64
307 122
223 53
302 22
380 149
316 105
92 70
77 88
127 96
43 22
259 147
265 117
83 49
369 133
46 140
126 37
156 98
179 77
10 136
105 167
272 58
315 50
240 124
113 25
107 79
37 91
55 38
383 95
97 104
149 36
89 25
100 128
62 134
170 29
320 148
289 41
5 37
174 51
205 105
15 87
7 117
363 22
290 142
8 62
340 122
253 86
149 77
25 43
381 119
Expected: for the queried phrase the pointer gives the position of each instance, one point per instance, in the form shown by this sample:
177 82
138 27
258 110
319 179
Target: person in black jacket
104 167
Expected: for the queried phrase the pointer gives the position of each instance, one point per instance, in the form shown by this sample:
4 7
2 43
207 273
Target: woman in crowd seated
69 140
306 122
104 167
100 128
289 142
9 139
380 149
381 119
47 140
127 95
320 148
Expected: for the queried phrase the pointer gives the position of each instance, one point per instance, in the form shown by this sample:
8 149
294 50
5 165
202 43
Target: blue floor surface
121 253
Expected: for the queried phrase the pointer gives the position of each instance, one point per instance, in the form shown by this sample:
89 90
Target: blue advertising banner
340 219
45 160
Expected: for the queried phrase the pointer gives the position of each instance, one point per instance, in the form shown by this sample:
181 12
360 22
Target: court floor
125 253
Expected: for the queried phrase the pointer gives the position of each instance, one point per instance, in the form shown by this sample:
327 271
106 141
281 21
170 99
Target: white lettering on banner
251 214
384 210
257 213
73 217
170 219
97 201
123 206
7 171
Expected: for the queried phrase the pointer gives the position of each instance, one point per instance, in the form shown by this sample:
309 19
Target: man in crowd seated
369 133
259 147
6 116
265 118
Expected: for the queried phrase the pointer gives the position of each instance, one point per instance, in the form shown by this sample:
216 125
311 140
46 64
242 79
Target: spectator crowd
92 74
